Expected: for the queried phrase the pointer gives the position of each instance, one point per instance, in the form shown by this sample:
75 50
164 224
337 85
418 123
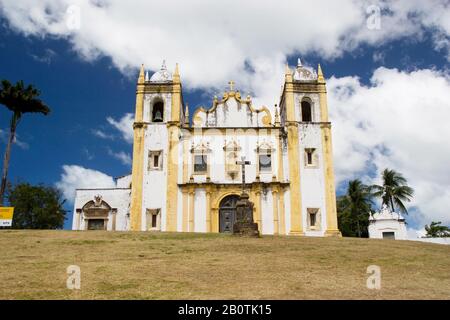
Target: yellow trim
218 196
294 160
172 179
282 213
138 160
185 211
215 220
191 210
208 210
330 191
275 203
173 131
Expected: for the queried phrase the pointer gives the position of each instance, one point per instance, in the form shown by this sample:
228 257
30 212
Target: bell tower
307 130
159 116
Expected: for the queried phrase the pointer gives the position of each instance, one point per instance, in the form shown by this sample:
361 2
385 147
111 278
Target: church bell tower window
306 112
158 112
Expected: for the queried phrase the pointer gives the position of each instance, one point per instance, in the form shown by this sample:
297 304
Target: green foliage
394 190
354 207
435 230
36 207
353 210
19 100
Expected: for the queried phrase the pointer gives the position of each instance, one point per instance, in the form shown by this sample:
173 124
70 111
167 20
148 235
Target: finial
288 70
299 62
320 77
186 115
176 75
277 116
163 67
141 78
288 75
231 83
147 77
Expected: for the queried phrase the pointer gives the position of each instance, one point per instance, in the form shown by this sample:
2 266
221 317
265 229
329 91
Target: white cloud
379 57
218 41
124 125
46 57
415 233
77 177
103 135
399 121
122 156
88 154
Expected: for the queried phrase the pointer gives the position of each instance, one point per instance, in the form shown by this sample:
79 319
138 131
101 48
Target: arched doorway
227 213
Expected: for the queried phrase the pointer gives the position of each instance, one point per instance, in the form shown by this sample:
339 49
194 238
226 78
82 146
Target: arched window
158 112
306 112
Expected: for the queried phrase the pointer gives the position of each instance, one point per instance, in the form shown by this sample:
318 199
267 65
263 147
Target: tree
394 190
36 207
353 209
19 100
435 230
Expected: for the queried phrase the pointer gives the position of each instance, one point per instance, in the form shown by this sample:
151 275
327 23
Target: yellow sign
6 215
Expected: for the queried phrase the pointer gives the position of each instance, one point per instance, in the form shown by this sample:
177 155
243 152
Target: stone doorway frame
98 209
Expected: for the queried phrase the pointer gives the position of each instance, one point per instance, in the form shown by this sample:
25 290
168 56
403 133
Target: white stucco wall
200 210
154 190
124 182
248 141
377 227
267 212
312 178
116 198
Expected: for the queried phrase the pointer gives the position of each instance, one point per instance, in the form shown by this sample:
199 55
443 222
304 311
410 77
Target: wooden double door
227 213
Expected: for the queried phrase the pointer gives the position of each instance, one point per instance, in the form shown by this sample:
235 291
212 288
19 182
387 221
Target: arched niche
96 214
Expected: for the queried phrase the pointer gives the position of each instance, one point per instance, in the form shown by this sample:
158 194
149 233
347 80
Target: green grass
124 265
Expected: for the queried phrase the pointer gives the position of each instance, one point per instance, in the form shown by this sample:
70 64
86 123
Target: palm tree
19 100
357 203
394 190
436 230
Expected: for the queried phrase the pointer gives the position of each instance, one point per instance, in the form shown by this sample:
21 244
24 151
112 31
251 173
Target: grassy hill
212 266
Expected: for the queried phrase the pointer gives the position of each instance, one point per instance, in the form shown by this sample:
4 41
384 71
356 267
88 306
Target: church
186 173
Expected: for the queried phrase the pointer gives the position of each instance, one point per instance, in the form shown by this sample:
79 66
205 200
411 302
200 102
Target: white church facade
184 173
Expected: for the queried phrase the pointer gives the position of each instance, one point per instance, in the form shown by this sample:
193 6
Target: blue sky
83 91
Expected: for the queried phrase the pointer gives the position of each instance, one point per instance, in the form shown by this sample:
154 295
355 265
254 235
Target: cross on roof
231 83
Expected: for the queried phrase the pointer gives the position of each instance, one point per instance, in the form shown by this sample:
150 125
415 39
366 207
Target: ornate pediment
232 111
96 208
202 147
232 146
264 147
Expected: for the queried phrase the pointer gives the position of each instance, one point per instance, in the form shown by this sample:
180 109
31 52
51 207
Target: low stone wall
432 240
